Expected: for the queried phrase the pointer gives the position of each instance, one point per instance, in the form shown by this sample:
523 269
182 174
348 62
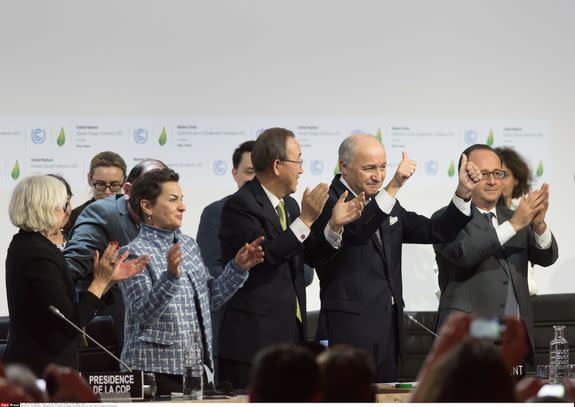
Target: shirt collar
274 200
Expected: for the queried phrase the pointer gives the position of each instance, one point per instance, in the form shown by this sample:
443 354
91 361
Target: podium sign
117 385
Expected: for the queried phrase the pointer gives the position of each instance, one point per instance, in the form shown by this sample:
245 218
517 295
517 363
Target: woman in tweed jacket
174 295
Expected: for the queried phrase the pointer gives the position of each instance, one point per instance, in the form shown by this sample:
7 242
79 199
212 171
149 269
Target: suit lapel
339 189
268 211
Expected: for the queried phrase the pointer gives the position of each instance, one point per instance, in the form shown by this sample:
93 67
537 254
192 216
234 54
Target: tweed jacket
162 311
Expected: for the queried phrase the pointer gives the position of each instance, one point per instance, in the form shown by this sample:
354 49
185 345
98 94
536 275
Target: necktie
489 216
511 304
281 210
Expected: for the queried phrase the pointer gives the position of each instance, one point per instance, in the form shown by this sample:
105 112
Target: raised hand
538 222
469 177
128 268
405 170
312 203
250 254
529 206
111 268
346 212
174 259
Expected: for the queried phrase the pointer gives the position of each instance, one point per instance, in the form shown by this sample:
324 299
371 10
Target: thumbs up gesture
405 170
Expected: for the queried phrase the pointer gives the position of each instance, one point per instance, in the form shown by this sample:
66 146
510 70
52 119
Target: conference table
384 393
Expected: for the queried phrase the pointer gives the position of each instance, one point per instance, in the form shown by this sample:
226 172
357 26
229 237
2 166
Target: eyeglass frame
486 174
97 185
298 162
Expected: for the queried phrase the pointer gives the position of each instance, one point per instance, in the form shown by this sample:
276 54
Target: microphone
412 318
57 312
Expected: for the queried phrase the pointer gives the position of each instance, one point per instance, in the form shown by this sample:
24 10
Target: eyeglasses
298 162
497 174
101 186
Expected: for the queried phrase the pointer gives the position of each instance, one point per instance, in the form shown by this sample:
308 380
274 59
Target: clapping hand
346 212
469 177
111 267
538 222
250 254
312 203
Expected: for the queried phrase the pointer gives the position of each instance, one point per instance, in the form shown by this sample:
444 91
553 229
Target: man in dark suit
361 285
484 270
207 237
271 306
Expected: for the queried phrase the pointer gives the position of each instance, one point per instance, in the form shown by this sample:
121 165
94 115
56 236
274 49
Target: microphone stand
412 318
57 312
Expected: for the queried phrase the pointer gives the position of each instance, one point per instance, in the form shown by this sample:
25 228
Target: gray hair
346 150
34 201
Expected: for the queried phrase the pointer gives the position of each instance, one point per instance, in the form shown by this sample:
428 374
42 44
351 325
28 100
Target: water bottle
193 369
558 357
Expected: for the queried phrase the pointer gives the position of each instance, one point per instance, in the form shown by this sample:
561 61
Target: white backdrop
323 65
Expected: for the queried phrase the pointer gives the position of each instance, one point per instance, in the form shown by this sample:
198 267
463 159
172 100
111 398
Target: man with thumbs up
361 285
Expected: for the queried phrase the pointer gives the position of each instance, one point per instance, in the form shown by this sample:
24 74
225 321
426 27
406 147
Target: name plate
117 385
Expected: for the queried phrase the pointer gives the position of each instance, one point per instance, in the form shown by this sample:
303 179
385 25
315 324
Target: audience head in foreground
285 373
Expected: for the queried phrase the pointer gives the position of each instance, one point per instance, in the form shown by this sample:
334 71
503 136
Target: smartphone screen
486 329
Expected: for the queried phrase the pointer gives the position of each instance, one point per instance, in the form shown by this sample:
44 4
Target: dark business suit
36 277
357 284
263 311
474 268
209 244
74 216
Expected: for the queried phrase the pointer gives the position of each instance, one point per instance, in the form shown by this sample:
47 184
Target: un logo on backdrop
431 167
38 136
140 136
220 167
470 136
316 167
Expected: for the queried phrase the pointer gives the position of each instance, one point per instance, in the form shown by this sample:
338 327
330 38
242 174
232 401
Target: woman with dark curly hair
517 180
515 184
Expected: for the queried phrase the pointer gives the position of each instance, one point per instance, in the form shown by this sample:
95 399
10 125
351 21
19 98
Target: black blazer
37 277
354 291
263 311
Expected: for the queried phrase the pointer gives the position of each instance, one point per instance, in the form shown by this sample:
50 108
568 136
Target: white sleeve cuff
299 229
543 241
385 201
463 206
504 232
332 237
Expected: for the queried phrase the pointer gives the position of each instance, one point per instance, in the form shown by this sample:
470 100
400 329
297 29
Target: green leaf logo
336 170
539 171
451 170
489 141
61 138
378 135
15 171
163 137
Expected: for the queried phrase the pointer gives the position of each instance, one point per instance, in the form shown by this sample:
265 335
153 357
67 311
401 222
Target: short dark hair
66 184
271 145
347 374
284 373
108 159
245 147
149 186
518 166
144 166
472 148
